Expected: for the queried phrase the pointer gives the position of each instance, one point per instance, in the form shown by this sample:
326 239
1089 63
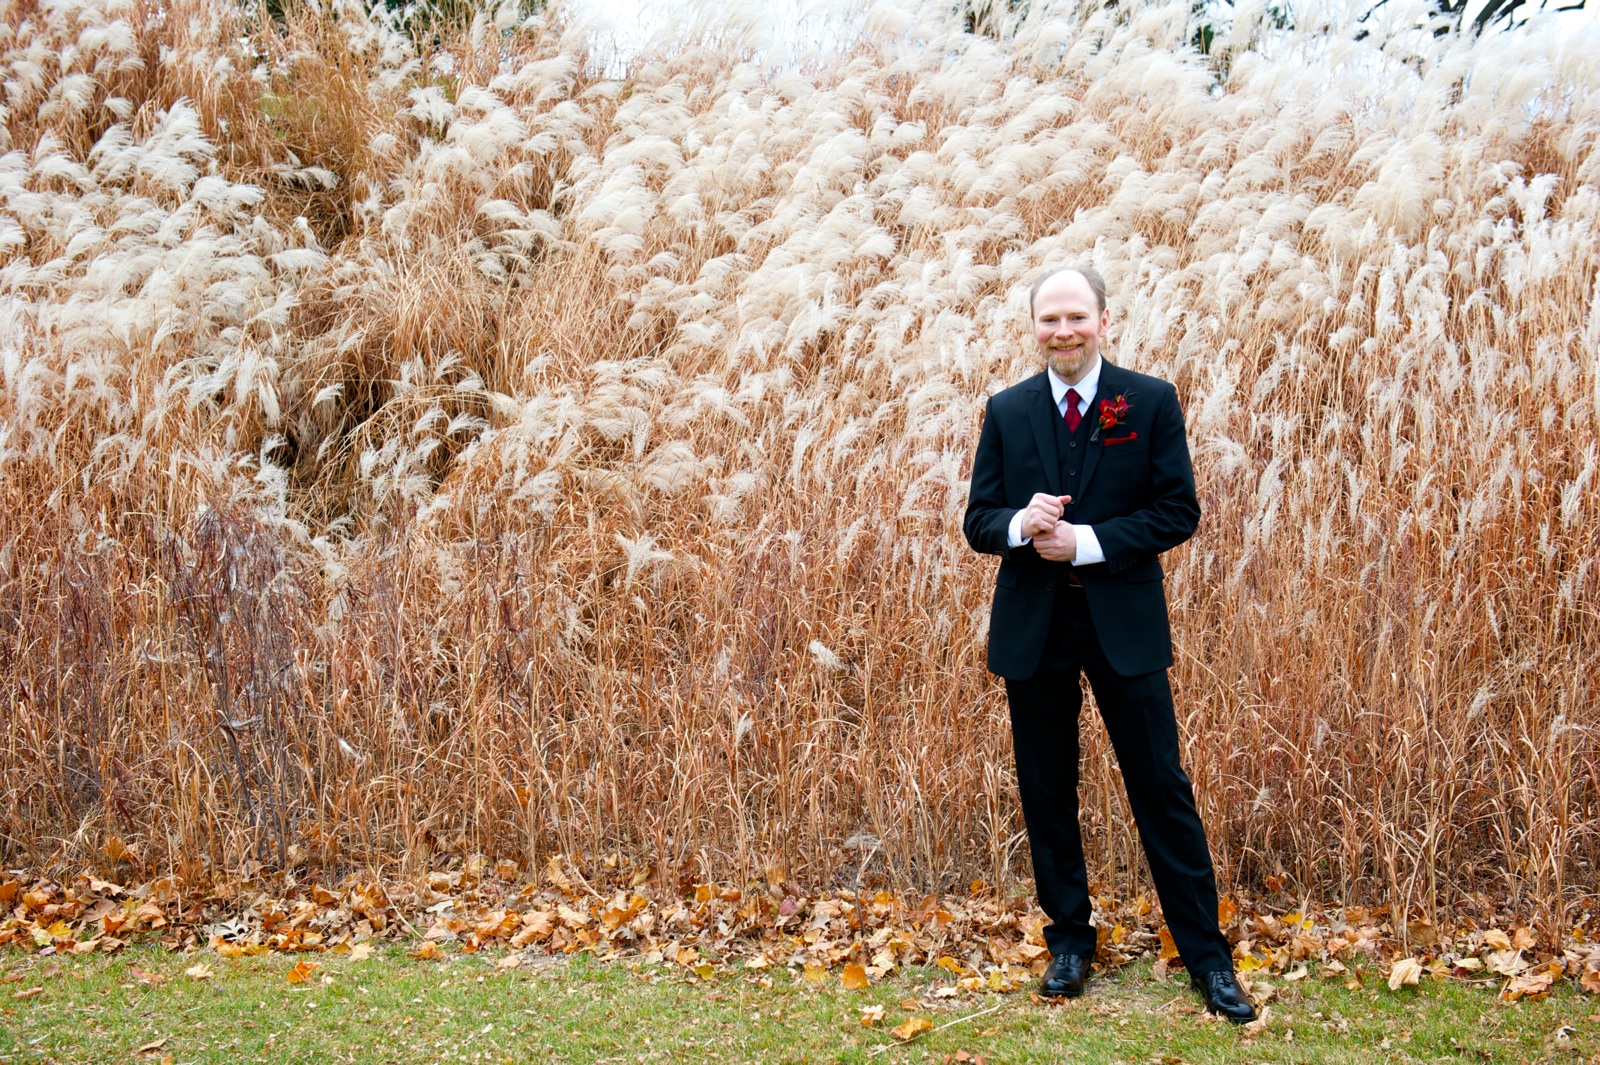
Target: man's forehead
1065 286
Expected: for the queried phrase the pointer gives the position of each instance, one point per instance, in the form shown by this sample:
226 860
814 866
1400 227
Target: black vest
1072 448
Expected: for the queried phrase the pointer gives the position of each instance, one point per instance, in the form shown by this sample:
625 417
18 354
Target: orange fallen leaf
871 1015
1590 982
241 950
301 971
855 977
427 951
145 976
816 973
913 1027
1496 939
1169 949
29 993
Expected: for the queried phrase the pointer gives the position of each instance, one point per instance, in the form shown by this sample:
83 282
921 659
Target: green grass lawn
393 1008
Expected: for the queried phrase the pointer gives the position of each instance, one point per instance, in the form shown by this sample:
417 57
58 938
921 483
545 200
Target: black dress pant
1139 719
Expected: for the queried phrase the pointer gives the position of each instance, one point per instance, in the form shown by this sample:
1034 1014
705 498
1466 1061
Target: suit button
1072 473
1049 587
1073 444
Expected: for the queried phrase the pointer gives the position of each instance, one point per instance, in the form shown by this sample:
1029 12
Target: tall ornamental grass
417 443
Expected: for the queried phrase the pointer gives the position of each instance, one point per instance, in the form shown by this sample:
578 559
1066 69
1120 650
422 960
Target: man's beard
1068 363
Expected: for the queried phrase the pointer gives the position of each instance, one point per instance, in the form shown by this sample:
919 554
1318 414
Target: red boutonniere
1112 412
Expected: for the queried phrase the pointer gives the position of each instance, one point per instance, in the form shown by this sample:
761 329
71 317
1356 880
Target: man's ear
1105 321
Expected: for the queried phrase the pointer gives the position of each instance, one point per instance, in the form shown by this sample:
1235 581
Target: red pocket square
1121 439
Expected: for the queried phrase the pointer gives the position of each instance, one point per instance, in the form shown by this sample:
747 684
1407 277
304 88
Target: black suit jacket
1137 492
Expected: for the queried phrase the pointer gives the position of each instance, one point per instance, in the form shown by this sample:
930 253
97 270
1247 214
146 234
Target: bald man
1081 480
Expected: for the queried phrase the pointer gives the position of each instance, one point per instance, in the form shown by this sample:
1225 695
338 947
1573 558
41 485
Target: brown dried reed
418 448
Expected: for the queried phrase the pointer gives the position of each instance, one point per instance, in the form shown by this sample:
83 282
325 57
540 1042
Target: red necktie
1074 419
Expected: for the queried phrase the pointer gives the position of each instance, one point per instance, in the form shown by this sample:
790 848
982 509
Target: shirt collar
1086 387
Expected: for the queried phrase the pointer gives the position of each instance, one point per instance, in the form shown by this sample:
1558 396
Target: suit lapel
1111 384
1043 414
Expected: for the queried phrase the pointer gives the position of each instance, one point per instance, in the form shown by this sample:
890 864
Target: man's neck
1090 373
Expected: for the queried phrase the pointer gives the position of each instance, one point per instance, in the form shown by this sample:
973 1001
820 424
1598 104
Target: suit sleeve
1173 511
988 513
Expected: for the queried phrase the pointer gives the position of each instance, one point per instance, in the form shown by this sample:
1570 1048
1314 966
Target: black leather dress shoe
1064 978
1224 996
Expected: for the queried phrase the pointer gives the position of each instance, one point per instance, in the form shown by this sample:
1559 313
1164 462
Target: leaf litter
987 944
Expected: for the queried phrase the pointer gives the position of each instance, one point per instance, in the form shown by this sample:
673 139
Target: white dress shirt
1089 550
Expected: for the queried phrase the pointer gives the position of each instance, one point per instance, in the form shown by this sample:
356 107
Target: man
1080 481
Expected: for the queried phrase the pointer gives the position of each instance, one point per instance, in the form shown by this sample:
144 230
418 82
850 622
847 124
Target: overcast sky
793 24
801 24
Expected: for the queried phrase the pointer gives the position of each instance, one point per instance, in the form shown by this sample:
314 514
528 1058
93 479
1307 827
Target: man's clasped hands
1053 538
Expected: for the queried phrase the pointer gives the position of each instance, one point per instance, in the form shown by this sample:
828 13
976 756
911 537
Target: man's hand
1042 514
1059 543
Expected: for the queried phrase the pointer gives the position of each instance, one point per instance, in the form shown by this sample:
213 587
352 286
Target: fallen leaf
198 971
1507 962
302 971
1227 910
705 971
29 993
556 874
1405 971
758 962
1590 981
510 961
1423 933
243 950
1522 939
913 1027
145 976
946 992
855 977
871 1015
1169 949
427 951
1529 985
1496 939
153 1046
816 973
114 849
361 952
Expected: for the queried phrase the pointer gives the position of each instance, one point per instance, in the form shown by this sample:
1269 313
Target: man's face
1068 325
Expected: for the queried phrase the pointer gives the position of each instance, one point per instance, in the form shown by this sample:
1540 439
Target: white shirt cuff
1089 550
1014 531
